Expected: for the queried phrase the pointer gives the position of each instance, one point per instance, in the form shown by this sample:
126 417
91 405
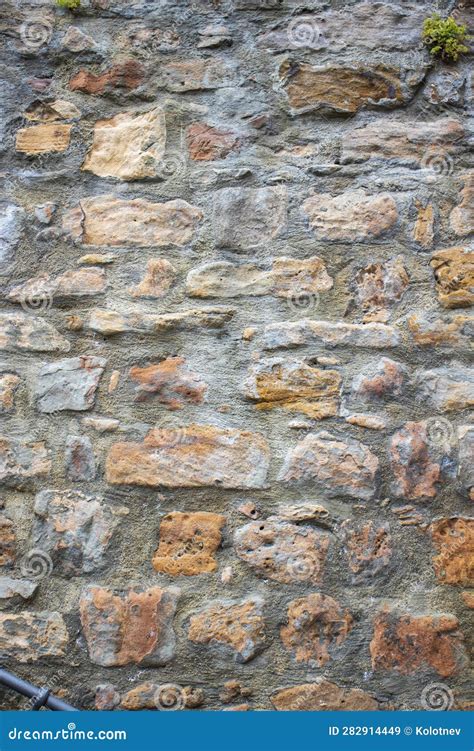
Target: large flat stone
351 216
69 384
20 332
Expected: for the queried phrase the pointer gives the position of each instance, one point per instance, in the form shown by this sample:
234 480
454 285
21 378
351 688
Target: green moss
70 4
444 37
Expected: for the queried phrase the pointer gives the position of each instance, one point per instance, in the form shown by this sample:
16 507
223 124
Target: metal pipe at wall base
41 697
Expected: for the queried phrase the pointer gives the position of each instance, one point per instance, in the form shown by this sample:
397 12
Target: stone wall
237 267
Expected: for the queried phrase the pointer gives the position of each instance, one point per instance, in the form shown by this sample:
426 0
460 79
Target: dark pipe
41 696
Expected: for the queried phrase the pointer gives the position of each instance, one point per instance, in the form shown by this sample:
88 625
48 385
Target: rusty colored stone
416 474
384 378
322 696
317 625
133 627
127 75
454 540
159 278
171 381
205 143
440 332
188 543
408 643
462 217
43 139
28 637
381 285
239 627
423 231
368 548
281 551
7 542
454 275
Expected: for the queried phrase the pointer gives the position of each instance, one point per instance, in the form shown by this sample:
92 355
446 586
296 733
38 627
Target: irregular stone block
413 462
15 591
128 75
128 146
111 221
381 285
74 529
11 226
341 466
188 543
7 542
22 332
298 333
239 627
322 696
191 457
380 380
462 217
454 540
69 384
22 460
159 278
246 217
197 75
28 637
317 625
449 389
423 231
406 643
108 322
368 548
43 139
46 112
79 459
205 143
135 627
351 216
428 331
454 275
281 551
42 290
171 382
294 386
9 383
466 459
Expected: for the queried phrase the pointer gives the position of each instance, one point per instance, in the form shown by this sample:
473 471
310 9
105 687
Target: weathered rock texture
236 327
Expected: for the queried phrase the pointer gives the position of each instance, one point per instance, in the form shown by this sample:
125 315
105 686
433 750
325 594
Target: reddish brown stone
381 285
317 625
188 543
7 542
127 75
106 697
416 475
9 383
454 275
368 548
159 278
322 696
136 627
384 379
406 643
238 626
206 143
454 540
171 381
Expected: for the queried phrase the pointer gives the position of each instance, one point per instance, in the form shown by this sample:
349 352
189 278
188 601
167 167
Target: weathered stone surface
45 112
42 139
239 627
69 384
7 542
413 462
133 627
454 275
190 457
466 459
74 529
298 333
107 220
22 460
317 625
205 143
371 422
381 285
188 543
322 696
342 89
383 379
127 75
23 332
350 216
423 231
449 389
75 40
79 459
247 217
454 540
281 551
294 386
109 322
9 383
11 226
402 141
288 277
341 466
408 643
368 548
196 75
428 331
129 146
159 278
15 591
27 637
84 282
462 217
171 382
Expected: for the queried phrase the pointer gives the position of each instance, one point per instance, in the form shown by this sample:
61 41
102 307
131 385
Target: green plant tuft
69 4
444 37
